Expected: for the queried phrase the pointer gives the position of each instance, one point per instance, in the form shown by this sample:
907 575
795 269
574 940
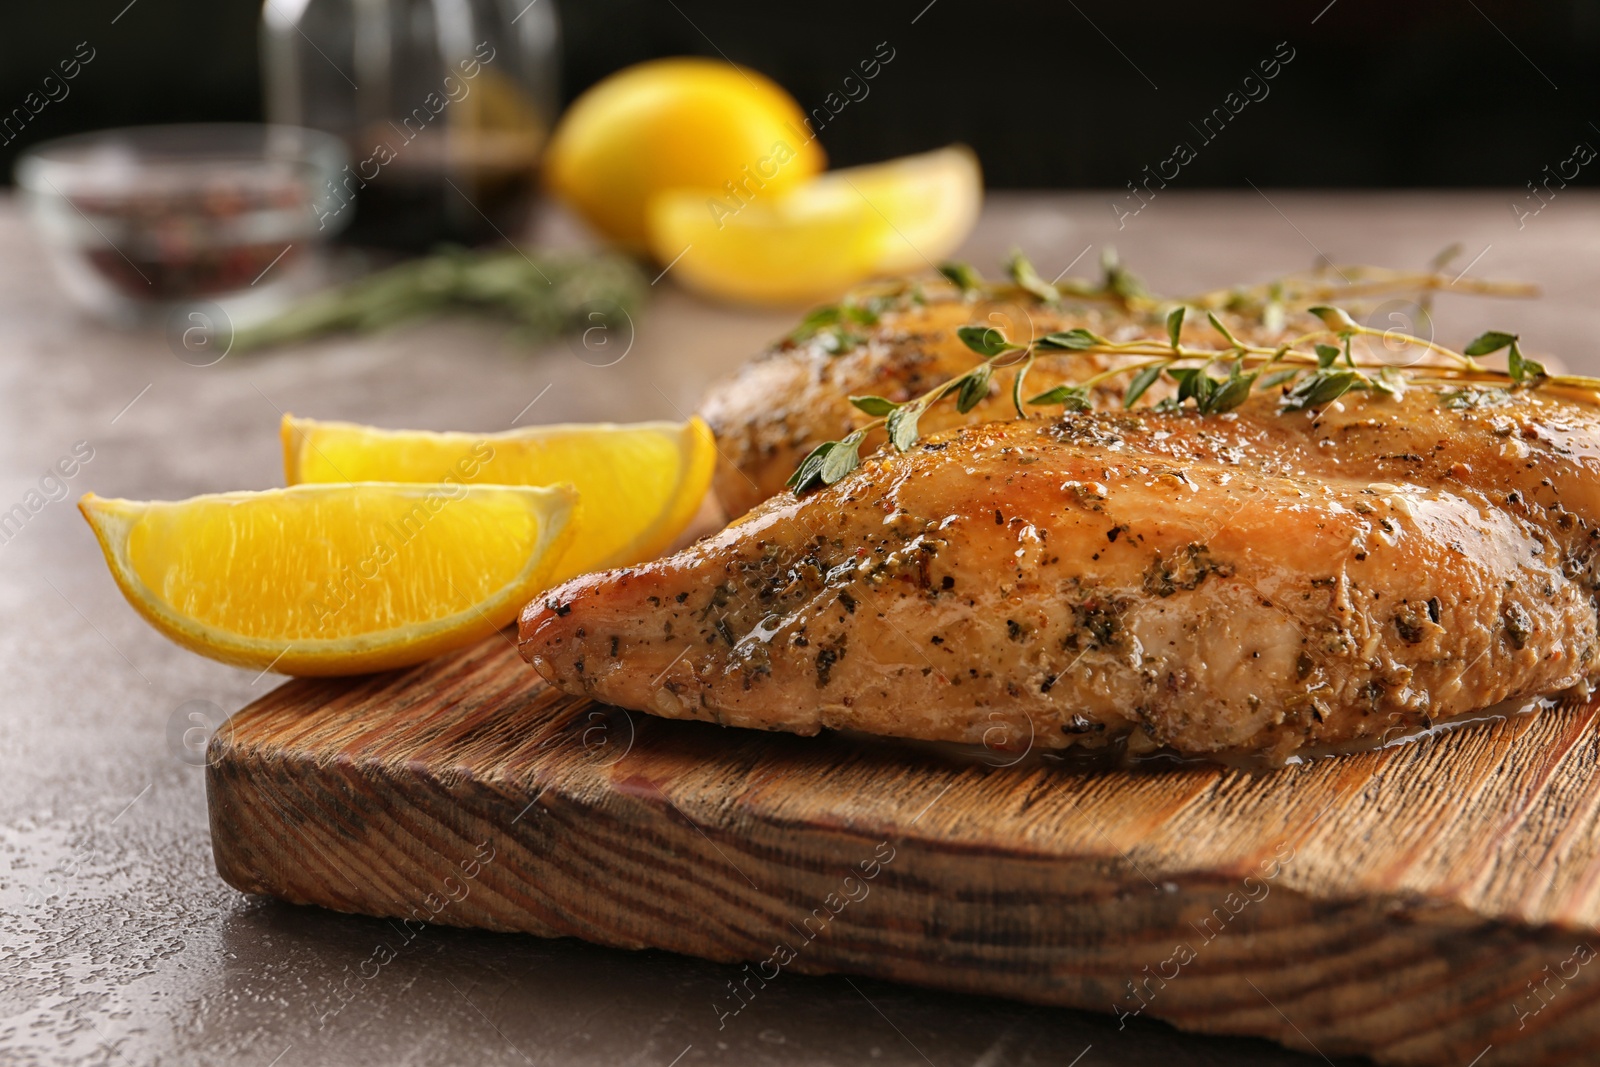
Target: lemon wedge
333 579
816 240
639 485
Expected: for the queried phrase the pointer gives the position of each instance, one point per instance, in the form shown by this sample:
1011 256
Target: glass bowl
139 221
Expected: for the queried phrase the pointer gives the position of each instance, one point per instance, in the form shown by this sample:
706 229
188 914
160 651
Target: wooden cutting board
1433 903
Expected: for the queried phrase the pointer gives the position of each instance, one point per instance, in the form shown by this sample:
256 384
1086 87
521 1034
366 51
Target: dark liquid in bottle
450 189
415 214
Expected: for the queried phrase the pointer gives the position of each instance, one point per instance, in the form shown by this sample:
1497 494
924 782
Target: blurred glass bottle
445 106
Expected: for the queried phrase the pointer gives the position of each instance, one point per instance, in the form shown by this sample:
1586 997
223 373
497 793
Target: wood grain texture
1427 904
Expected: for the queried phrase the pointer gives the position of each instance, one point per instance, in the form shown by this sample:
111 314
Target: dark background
1447 93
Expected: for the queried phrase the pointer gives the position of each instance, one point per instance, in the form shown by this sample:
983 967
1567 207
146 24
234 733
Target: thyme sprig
838 328
1350 284
1353 284
834 326
544 296
1312 370
1117 283
832 460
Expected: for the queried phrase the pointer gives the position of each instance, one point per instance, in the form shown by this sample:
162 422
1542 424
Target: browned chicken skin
1257 582
795 395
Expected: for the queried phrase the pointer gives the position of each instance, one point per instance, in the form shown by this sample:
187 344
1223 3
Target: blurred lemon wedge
638 485
334 579
816 240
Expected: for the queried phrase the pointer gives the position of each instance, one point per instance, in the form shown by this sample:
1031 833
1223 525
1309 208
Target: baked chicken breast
1257 582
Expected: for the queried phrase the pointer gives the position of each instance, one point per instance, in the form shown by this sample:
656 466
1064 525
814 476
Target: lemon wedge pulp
639 485
333 579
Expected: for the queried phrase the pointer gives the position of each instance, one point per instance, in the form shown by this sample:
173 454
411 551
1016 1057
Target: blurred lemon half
333 579
815 241
675 123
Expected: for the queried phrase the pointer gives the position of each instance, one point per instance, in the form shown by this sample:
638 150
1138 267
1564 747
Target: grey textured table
118 942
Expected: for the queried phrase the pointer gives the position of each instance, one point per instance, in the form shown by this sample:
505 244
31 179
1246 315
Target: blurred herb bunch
544 295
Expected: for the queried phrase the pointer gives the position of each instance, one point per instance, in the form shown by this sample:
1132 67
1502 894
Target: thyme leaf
1442 258
1231 393
831 326
1216 324
963 277
1143 380
1071 397
842 458
814 320
1076 340
902 424
1335 319
808 475
1193 384
1390 382
1523 369
974 388
1322 387
1119 280
987 341
1027 279
874 405
1486 343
